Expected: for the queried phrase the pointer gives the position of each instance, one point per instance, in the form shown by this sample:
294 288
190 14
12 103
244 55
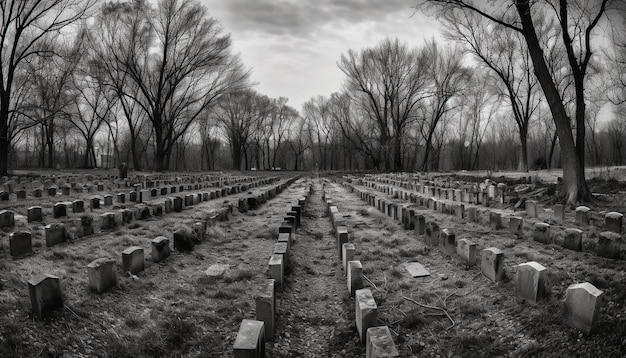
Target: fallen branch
370 282
432 308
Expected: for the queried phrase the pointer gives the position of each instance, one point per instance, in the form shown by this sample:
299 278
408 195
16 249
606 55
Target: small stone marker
573 239
216 271
266 308
416 269
531 208
347 255
102 275
582 215
366 312
448 239
355 277
613 222
20 244
55 234
609 244
582 306
342 238
160 248
45 294
379 343
34 213
541 233
250 341
133 260
467 250
492 263
531 281
277 271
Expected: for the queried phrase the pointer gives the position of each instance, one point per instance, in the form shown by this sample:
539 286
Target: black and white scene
315 179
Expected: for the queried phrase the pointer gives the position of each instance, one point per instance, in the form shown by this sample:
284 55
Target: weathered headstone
379 343
355 277
342 238
495 220
183 240
250 341
582 215
366 312
515 225
432 234
467 250
160 248
531 281
541 233
609 244
133 260
45 294
613 222
266 307
582 306
573 239
55 234
78 206
34 213
102 275
492 264
531 208
448 239
20 244
277 271
347 255
94 203
559 212
108 221
59 210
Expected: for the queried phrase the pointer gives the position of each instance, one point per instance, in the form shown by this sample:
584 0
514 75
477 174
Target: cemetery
344 265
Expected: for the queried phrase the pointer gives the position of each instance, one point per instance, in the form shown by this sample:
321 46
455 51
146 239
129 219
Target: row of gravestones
45 289
20 242
253 333
377 339
609 241
582 300
138 189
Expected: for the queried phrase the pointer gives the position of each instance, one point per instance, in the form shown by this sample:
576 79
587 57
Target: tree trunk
574 184
523 136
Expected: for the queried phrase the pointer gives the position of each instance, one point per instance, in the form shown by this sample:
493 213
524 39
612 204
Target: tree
509 62
577 21
387 81
24 26
178 60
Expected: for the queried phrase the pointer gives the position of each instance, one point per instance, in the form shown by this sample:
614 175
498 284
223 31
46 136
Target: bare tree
179 61
577 20
388 81
23 27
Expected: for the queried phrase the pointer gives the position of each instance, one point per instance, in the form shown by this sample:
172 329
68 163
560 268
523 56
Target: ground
172 309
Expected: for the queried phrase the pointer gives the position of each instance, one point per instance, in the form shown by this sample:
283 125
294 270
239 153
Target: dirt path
314 313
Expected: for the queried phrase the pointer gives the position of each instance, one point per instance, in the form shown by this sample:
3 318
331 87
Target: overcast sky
293 46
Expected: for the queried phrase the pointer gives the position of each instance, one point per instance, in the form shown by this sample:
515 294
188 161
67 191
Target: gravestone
121 198
160 248
108 221
573 239
178 204
492 264
34 213
559 212
342 238
45 294
250 340
281 248
183 240
495 220
355 277
133 260
277 271
609 244
266 307
59 210
20 244
613 222
102 275
78 206
432 234
582 306
379 343
531 281
366 312
347 254
21 195
515 225
94 203
448 239
541 233
582 215
421 224
531 208
55 234
108 200
467 250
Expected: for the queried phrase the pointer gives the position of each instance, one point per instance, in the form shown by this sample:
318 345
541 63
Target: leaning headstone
379 343
582 306
55 234
133 260
609 244
613 222
531 281
492 263
466 249
250 341
573 239
582 215
102 275
277 271
20 244
266 307
541 233
34 213
366 312
45 294
160 248
355 277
